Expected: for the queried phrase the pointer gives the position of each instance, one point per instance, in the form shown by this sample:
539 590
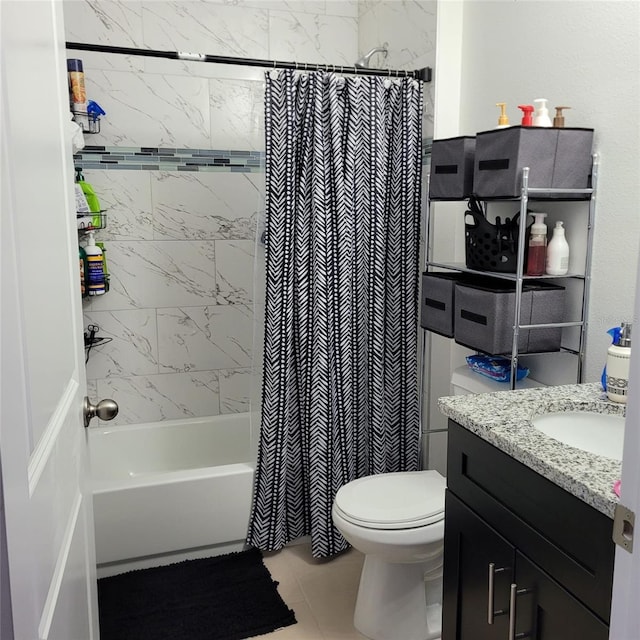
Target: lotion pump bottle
557 263
558 119
537 248
503 119
618 358
541 117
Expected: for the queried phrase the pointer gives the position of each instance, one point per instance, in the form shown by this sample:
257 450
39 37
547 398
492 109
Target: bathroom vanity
528 525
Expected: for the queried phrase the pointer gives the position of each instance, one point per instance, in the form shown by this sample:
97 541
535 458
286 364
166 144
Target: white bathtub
169 488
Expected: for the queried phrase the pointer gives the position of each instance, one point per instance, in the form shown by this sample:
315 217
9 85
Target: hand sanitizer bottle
618 358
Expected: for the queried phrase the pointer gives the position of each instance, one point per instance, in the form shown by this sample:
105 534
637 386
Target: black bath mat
227 597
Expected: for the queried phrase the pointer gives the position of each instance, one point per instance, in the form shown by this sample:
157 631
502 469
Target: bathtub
162 490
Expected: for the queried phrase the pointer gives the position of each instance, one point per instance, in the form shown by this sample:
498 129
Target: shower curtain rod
419 74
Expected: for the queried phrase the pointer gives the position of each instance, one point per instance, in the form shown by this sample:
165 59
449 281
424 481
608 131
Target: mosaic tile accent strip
169 159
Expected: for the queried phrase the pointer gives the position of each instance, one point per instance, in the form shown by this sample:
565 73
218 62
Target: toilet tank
465 381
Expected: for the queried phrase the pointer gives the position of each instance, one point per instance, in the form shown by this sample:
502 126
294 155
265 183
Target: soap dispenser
527 118
503 119
558 119
618 358
537 249
541 117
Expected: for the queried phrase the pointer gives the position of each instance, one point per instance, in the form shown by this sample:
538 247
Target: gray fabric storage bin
436 301
484 316
572 169
451 174
557 158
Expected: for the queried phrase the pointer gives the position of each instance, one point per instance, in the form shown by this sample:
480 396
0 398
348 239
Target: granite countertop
504 420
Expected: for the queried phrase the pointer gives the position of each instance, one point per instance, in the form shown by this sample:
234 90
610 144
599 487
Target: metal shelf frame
526 194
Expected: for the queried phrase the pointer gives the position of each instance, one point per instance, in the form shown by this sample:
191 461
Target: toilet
397 521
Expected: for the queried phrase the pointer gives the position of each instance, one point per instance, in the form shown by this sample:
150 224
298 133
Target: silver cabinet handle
514 593
512 611
490 610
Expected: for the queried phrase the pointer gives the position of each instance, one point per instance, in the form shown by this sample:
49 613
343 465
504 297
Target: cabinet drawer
568 538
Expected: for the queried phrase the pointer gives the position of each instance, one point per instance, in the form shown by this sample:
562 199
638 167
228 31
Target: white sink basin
598 433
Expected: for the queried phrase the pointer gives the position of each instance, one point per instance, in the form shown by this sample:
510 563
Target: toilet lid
393 500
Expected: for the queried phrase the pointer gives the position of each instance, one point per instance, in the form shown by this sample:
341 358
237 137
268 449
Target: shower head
363 62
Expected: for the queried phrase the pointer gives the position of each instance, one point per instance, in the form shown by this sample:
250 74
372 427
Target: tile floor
322 593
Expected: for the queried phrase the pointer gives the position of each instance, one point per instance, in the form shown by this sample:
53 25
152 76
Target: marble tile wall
183 253
408 27
183 250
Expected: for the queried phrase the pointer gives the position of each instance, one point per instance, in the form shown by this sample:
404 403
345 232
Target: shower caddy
527 193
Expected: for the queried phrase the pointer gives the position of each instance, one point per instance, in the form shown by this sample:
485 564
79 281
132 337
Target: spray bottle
537 249
541 118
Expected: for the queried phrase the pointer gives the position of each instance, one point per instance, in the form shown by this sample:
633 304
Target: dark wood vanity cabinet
522 558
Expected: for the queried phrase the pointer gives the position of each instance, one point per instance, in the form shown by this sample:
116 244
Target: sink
598 433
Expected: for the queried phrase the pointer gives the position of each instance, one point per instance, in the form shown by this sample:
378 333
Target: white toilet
397 521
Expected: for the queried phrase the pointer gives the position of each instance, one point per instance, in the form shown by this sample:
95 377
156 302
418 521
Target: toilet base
399 601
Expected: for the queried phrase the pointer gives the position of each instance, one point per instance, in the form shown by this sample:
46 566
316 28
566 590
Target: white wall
582 54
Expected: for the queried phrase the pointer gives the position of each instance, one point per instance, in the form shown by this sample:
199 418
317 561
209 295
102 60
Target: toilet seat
403 500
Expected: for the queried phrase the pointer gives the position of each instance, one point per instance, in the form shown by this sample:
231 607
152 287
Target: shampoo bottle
618 357
95 267
536 251
541 117
558 252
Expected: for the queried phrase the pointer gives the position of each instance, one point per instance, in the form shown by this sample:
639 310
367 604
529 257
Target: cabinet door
545 611
473 550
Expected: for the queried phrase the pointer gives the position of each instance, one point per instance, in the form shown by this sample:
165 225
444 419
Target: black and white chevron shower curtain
340 392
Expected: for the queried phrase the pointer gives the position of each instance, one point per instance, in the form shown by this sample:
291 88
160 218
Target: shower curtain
340 392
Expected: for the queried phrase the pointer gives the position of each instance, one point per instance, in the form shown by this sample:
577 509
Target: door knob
106 409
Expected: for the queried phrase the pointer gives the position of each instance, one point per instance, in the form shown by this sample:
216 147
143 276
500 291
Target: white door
625 613
49 519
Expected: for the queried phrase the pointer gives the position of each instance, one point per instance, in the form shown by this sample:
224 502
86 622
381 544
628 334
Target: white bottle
558 252
95 267
541 116
618 358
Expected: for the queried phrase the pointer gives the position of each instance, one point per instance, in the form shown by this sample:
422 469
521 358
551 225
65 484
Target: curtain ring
406 73
296 65
274 64
389 72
